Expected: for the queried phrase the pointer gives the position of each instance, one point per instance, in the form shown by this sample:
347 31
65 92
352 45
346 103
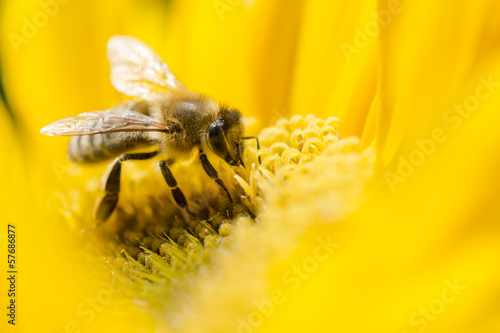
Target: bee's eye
222 140
214 130
216 139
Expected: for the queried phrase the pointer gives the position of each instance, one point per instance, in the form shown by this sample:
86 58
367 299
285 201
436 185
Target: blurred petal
428 68
334 71
11 168
60 64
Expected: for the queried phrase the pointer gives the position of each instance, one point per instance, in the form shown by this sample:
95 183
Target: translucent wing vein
104 122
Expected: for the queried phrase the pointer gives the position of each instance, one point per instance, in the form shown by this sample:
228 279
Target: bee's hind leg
112 188
179 197
212 173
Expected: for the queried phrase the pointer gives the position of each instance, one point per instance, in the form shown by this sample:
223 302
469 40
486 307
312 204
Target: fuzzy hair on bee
161 113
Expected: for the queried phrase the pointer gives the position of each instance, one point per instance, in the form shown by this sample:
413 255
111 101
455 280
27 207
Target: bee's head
224 136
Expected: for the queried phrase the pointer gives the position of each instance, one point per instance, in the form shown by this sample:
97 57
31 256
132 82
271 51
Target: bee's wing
108 121
136 70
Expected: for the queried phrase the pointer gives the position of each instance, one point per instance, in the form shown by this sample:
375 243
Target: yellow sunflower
373 206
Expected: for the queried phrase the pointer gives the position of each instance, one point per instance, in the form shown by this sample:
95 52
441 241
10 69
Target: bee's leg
112 188
209 169
179 197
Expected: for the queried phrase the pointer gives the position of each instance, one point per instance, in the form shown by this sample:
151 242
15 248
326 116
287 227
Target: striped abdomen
99 147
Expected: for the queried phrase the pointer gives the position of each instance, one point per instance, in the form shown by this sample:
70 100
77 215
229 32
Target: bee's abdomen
100 147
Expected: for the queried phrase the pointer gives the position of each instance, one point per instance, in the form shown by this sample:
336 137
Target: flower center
302 168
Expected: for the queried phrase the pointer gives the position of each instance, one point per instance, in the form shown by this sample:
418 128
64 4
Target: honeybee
163 114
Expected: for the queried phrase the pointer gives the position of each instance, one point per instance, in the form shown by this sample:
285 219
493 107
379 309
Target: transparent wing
136 70
108 121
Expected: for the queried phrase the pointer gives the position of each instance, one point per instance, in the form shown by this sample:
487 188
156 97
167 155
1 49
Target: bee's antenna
256 139
239 155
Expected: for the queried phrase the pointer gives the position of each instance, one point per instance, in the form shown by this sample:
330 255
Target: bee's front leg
212 173
112 188
179 197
